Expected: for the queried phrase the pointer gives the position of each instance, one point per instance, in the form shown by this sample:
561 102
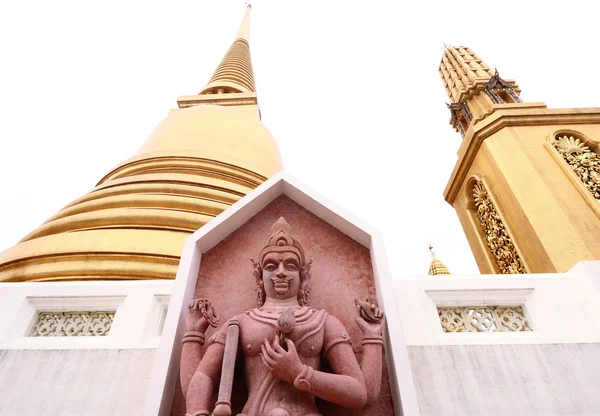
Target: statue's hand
201 314
285 365
369 318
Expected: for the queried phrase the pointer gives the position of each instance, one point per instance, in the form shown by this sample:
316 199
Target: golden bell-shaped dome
132 225
198 161
216 133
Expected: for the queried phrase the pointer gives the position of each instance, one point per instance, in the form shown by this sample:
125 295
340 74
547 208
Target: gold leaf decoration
496 234
584 162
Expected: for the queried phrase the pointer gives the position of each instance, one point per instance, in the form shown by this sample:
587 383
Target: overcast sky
350 91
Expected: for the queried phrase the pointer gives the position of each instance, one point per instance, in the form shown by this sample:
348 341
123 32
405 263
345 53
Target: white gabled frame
166 364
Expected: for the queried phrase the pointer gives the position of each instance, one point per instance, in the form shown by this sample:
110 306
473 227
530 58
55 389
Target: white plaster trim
156 319
402 384
479 297
166 366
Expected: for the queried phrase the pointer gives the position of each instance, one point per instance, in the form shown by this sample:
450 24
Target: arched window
582 159
495 233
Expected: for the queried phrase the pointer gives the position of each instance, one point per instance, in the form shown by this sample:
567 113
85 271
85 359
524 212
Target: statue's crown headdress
281 240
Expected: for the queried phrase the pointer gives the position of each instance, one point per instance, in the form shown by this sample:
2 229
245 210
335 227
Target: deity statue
283 344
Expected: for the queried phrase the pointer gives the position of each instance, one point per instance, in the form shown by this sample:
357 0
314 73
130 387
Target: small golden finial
436 267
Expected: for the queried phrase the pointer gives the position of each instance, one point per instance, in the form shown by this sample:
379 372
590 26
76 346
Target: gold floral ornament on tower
495 233
584 162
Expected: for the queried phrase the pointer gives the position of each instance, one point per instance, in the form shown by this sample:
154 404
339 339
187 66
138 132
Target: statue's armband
219 336
335 333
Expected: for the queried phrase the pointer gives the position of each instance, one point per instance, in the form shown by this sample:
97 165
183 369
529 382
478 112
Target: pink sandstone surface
341 272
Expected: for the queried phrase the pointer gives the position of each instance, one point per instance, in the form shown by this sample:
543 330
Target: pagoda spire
473 87
234 74
232 83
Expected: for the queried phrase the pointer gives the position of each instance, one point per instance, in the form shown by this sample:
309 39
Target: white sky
350 90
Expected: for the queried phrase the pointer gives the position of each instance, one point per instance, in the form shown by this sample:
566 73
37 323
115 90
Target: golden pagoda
202 158
436 267
526 186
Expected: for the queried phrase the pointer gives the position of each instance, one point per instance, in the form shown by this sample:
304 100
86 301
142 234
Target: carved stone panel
495 233
340 279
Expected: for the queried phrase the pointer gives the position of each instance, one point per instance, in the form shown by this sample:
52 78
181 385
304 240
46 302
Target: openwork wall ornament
483 319
496 234
73 324
584 162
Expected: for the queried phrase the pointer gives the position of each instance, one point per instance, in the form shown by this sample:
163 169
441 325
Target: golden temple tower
201 159
526 186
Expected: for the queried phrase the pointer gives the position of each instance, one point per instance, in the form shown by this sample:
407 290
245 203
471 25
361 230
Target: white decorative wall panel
483 319
69 324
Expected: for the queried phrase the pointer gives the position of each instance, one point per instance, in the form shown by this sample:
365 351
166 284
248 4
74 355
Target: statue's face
281 275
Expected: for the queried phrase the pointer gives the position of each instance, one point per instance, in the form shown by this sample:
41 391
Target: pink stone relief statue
282 343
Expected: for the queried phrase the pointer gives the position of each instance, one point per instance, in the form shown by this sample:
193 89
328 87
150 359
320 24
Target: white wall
561 308
79 375
509 379
140 310
551 370
69 382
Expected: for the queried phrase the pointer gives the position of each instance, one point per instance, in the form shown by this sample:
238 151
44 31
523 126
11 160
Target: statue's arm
199 374
191 354
200 316
371 365
204 380
372 357
345 387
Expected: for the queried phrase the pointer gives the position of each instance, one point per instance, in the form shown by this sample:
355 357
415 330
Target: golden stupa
202 158
436 267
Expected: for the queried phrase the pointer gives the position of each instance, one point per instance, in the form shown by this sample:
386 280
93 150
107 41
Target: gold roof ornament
436 267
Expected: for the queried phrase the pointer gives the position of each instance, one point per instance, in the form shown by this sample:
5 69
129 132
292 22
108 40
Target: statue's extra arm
370 320
204 380
200 316
191 354
371 365
347 386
